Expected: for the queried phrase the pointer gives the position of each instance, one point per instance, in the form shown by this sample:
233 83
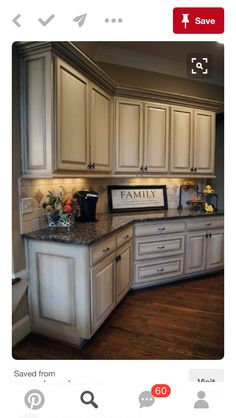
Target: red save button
198 20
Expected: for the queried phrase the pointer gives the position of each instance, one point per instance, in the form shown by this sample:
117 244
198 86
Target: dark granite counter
90 233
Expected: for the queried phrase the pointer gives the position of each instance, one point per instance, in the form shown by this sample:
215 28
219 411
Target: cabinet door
129 135
156 138
181 140
103 291
195 252
204 141
124 270
36 114
101 129
72 118
215 249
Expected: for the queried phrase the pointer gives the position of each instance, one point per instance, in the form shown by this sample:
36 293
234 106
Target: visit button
198 20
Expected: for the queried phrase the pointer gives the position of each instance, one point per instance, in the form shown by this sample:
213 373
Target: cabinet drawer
158 228
207 223
156 247
124 236
100 251
149 272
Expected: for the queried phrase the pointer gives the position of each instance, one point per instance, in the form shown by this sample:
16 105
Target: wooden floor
182 320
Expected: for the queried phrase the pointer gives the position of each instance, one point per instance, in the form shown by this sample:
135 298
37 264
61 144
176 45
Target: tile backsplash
37 190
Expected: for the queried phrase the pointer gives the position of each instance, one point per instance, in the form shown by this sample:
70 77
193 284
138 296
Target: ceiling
161 57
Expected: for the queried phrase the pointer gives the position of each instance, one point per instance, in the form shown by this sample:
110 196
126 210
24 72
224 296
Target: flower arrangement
60 211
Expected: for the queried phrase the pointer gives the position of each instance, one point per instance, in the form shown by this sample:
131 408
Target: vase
66 220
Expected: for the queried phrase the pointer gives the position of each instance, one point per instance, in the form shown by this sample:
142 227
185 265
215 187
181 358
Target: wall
38 190
163 82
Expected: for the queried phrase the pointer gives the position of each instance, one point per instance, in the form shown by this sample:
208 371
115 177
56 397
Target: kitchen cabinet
72 115
84 122
205 251
142 133
204 247
103 299
73 288
192 141
124 270
158 252
66 120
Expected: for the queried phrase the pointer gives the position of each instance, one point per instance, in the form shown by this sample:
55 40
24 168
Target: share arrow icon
80 19
16 19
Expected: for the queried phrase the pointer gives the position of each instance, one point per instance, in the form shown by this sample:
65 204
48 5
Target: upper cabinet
84 121
69 124
72 118
66 119
141 135
192 141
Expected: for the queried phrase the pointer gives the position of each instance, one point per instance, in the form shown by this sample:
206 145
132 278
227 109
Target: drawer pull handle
106 249
126 237
162 269
161 247
161 228
208 224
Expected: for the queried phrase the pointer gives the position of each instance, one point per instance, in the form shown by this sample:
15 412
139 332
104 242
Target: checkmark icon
47 21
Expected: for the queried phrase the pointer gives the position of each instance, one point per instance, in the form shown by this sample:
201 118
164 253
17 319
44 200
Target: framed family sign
130 198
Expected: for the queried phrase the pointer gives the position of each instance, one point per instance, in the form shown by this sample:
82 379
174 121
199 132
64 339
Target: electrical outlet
26 205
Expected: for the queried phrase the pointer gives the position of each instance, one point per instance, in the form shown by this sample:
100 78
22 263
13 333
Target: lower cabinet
103 298
111 280
204 250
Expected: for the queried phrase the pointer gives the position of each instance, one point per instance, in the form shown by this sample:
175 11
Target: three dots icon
113 20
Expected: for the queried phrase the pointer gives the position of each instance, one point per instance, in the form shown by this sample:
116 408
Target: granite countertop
89 233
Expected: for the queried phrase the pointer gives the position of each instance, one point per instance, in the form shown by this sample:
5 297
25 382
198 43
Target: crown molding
74 56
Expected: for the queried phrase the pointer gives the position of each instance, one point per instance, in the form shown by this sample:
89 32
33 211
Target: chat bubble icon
146 399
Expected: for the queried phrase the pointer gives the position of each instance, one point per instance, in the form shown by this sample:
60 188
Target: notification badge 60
147 398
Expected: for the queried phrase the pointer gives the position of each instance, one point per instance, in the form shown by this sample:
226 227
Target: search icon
87 400
199 65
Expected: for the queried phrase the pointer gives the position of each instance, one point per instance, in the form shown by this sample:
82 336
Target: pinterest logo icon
34 399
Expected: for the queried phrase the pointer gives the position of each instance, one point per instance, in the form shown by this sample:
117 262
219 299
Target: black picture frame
143 198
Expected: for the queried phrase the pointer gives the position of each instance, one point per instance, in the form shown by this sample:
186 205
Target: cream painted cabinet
192 141
103 291
142 136
204 142
205 250
84 122
66 120
101 126
181 140
72 115
129 135
156 138
124 270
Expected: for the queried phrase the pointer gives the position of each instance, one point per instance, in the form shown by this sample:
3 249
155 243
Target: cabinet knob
195 169
141 168
93 165
89 165
208 224
106 249
207 235
162 269
161 228
145 168
160 247
191 169
126 237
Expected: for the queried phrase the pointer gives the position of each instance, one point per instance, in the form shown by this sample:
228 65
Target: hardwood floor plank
181 320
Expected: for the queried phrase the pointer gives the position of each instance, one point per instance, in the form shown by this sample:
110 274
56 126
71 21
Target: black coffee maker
87 203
